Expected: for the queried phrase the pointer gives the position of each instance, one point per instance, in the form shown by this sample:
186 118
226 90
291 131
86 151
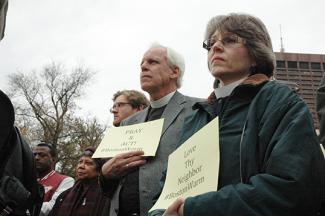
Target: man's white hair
174 60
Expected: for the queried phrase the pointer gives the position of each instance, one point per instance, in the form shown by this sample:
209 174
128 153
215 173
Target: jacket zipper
240 152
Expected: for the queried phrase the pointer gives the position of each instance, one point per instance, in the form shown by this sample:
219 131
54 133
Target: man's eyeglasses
226 41
118 105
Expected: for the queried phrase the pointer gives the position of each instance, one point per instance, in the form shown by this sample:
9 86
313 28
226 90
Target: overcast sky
110 36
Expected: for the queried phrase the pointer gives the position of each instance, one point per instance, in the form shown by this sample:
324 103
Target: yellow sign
193 168
144 137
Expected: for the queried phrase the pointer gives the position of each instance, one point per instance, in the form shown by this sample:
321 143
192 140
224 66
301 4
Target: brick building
306 70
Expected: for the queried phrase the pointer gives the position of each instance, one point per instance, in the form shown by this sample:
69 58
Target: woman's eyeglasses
226 41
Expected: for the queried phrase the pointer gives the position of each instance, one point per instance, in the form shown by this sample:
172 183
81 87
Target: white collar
162 101
226 90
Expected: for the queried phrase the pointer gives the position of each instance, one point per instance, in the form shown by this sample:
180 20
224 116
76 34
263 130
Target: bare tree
78 135
45 105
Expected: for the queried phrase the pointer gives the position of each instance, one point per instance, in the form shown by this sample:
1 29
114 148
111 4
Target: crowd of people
271 162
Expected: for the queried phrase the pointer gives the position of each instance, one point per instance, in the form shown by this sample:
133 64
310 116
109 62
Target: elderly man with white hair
130 180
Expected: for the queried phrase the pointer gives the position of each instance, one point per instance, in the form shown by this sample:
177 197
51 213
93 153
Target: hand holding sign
122 164
176 209
127 145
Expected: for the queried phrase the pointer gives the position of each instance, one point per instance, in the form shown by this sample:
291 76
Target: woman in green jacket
270 158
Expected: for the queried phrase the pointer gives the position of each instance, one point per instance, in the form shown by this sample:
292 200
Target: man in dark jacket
20 194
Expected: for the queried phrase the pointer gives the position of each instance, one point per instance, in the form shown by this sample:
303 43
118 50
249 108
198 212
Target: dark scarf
83 199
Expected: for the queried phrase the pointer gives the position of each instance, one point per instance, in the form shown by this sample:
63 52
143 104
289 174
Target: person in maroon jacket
85 197
54 183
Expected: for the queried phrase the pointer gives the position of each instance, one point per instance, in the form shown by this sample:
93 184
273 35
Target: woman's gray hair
174 60
255 34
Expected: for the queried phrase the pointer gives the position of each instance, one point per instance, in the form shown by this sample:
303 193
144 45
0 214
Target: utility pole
282 47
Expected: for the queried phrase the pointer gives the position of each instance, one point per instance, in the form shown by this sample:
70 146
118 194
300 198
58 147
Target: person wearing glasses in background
270 158
126 103
128 179
53 182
